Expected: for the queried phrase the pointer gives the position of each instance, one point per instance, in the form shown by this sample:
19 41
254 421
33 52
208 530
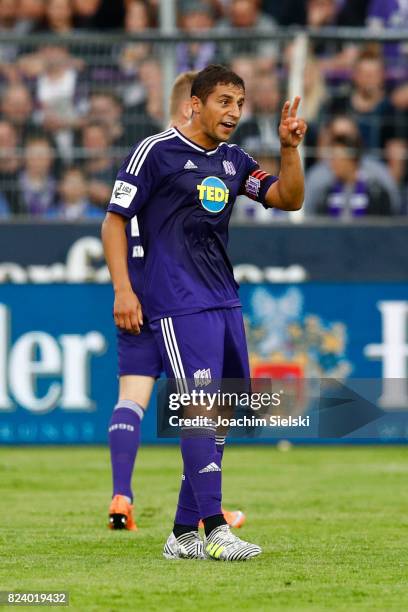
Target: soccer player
140 364
182 185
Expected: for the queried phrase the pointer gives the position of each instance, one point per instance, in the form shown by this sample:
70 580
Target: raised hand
292 129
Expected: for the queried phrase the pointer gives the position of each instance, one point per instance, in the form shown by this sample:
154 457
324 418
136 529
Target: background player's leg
124 442
124 430
139 365
136 388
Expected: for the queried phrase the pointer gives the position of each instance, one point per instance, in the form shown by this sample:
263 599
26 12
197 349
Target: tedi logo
213 194
393 351
35 357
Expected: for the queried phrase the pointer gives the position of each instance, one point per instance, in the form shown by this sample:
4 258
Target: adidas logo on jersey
189 165
211 467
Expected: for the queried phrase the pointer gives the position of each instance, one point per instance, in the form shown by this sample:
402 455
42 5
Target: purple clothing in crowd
37 200
187 61
344 201
391 14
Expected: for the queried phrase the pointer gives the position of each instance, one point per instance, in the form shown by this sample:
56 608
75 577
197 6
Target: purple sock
202 468
124 441
220 445
187 510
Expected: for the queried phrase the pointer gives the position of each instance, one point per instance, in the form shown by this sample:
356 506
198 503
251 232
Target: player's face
221 112
342 165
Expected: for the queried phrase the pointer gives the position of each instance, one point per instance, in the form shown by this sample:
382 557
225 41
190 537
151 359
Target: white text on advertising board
62 363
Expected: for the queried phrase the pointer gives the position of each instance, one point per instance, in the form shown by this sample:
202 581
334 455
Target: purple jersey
183 195
135 257
389 13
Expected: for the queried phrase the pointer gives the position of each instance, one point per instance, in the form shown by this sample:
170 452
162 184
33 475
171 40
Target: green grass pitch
333 523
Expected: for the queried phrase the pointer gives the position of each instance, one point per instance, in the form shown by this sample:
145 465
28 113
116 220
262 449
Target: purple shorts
139 355
203 347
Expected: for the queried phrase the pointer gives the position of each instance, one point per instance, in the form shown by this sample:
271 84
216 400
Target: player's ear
196 104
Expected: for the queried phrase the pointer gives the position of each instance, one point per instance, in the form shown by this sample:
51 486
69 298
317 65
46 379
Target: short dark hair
71 169
371 53
106 93
38 136
95 123
353 144
208 79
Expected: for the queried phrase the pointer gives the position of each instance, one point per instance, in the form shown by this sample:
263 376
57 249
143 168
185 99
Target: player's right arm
287 193
127 310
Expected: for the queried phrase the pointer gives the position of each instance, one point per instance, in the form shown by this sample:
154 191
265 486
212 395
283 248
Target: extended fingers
295 106
285 110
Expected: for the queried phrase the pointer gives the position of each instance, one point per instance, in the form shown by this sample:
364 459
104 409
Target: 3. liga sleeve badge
123 194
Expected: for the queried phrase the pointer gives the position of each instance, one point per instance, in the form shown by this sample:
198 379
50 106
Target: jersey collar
194 145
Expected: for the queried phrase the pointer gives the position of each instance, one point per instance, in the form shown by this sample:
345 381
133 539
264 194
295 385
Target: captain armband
257 185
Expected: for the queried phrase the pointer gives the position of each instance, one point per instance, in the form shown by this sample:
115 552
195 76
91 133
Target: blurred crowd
70 111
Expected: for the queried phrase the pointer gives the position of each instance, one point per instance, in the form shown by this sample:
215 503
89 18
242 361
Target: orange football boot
121 514
234 518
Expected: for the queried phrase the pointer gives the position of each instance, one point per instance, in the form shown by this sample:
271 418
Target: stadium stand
92 97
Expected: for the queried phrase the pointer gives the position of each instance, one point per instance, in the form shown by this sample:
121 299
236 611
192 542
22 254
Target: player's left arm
287 193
